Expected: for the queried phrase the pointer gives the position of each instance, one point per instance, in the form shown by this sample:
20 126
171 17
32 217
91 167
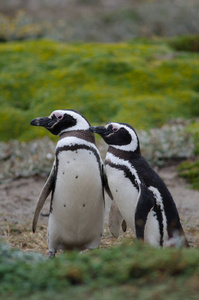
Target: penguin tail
178 240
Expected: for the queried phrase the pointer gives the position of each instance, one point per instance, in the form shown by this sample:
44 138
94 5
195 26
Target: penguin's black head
61 121
118 135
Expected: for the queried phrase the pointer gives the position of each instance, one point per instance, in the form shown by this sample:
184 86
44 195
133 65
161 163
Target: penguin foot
51 254
177 241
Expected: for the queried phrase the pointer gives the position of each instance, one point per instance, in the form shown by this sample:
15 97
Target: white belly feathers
124 192
77 209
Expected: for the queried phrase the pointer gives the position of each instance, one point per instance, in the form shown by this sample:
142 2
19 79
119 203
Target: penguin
141 196
76 184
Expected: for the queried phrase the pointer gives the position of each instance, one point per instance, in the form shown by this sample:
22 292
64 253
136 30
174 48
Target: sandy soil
19 198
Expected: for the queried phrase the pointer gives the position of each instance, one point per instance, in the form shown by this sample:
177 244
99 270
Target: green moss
28 275
143 83
185 43
193 129
190 171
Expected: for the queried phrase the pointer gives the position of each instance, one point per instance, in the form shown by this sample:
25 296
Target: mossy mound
101 272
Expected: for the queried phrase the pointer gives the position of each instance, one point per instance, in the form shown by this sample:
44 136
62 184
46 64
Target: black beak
44 122
101 130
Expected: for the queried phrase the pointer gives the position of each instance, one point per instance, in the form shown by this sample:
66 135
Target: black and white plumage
76 183
141 196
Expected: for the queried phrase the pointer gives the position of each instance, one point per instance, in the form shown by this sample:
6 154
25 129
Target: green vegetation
144 82
193 129
190 171
20 27
185 43
116 273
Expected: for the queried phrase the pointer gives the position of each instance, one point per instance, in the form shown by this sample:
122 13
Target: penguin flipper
144 205
105 183
47 188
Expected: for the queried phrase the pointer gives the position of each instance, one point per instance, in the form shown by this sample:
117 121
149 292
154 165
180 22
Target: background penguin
142 197
76 182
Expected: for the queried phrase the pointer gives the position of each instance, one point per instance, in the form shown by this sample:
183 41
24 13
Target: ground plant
143 82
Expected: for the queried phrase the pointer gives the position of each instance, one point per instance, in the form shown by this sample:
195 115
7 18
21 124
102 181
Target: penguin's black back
150 178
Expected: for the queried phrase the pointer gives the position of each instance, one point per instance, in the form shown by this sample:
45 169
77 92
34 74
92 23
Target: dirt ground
19 198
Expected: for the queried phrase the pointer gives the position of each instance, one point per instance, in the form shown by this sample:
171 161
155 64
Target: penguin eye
59 117
114 128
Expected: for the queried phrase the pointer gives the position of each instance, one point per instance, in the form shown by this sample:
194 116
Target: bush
190 171
185 43
20 27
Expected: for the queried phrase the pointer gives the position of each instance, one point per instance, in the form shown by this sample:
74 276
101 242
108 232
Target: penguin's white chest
78 176
124 193
77 206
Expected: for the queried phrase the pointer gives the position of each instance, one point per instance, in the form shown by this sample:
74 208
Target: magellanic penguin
76 182
141 196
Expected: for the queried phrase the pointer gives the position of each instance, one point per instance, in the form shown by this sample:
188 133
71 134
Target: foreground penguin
140 194
76 183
